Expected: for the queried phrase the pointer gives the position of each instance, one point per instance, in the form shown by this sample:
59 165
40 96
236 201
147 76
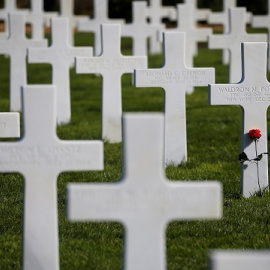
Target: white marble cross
10 6
67 10
264 22
93 25
140 30
9 125
16 46
175 78
144 200
61 56
232 41
38 18
111 64
194 35
252 93
156 12
40 157
223 18
198 14
236 260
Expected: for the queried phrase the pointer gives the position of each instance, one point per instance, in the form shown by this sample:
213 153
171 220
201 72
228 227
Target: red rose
255 134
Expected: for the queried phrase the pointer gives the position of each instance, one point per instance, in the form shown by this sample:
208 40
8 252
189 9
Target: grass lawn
214 134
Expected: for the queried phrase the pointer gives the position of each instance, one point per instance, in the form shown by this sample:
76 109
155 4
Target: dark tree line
122 8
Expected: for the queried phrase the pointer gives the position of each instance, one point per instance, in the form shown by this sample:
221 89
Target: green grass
213 148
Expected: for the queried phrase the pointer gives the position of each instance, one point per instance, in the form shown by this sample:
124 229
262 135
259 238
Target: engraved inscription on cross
252 93
139 29
232 41
67 10
144 200
61 56
111 64
16 46
223 18
93 25
193 34
264 22
40 157
175 78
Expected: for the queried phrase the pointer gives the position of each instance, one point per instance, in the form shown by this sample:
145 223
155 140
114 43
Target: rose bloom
255 134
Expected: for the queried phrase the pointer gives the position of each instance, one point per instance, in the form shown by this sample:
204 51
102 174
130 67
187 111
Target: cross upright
264 22
252 93
93 25
9 125
40 157
232 41
235 260
175 78
223 18
139 29
61 56
198 14
144 200
194 35
67 10
111 64
16 46
38 18
10 6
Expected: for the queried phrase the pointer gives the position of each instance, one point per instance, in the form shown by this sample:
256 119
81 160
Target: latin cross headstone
194 35
140 30
223 18
93 25
252 93
235 260
61 56
175 78
10 6
198 14
232 41
16 47
144 200
67 10
38 18
264 22
111 64
9 125
40 157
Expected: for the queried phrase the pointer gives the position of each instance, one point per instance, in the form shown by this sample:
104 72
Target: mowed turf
214 138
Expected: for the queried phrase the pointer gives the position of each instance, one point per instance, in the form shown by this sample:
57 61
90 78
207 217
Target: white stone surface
10 6
61 56
175 78
9 125
185 23
140 30
16 47
236 260
263 21
40 157
199 14
252 93
111 64
223 18
38 18
94 25
67 10
232 41
157 12
143 200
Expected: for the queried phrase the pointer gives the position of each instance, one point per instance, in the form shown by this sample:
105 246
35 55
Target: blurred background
122 8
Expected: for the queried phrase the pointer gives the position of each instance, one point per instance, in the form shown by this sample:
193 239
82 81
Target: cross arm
261 21
217 42
40 55
217 18
9 125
